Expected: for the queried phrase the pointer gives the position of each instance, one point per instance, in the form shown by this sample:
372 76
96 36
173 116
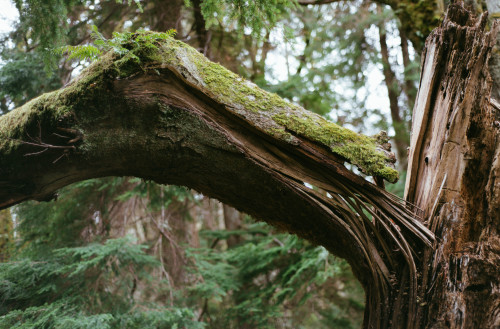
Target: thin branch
204 310
45 145
59 158
36 153
316 2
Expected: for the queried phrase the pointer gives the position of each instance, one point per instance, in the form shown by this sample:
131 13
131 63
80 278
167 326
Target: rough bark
177 118
493 7
454 176
454 180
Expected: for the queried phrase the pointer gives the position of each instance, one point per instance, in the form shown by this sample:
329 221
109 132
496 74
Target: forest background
128 253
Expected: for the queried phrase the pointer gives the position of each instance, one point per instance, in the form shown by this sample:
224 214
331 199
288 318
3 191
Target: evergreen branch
126 44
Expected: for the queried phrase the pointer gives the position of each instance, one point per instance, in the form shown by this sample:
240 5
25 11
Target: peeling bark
453 176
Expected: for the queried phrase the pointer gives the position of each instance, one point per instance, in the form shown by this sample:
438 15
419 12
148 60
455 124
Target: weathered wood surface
454 176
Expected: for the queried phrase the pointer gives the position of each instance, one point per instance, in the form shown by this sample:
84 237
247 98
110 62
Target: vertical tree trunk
232 221
204 37
454 176
391 82
6 234
165 15
409 86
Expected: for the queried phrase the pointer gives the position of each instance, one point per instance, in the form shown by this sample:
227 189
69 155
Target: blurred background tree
126 253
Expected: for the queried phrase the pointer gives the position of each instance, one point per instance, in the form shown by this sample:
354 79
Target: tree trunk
393 90
6 234
166 15
454 176
232 222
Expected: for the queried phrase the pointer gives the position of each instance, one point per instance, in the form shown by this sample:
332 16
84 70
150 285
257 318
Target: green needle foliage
125 44
260 278
47 24
67 273
258 15
85 287
58 280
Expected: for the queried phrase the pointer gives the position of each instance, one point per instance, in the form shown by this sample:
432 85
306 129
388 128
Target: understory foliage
85 287
85 277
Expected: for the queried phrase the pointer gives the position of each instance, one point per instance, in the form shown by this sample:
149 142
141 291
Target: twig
38 142
36 153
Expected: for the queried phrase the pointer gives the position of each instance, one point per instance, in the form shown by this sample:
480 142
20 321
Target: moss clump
358 149
281 133
419 18
14 123
233 89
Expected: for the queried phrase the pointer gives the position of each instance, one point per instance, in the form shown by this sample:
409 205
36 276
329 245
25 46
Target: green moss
419 18
358 149
50 107
14 123
268 111
217 81
281 133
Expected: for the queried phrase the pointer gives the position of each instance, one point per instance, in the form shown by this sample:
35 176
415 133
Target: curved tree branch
178 118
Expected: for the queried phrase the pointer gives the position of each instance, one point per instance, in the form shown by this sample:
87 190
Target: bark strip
453 176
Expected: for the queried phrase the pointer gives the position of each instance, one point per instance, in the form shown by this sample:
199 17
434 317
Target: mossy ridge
359 150
270 112
217 81
267 111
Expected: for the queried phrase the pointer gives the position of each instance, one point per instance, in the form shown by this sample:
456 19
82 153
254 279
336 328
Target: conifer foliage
83 277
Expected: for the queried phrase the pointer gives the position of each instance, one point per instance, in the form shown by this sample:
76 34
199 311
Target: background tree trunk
454 176
6 234
232 221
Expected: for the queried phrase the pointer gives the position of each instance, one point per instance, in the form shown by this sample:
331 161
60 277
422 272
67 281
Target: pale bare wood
453 176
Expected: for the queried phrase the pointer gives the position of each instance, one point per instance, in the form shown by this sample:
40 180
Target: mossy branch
144 51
